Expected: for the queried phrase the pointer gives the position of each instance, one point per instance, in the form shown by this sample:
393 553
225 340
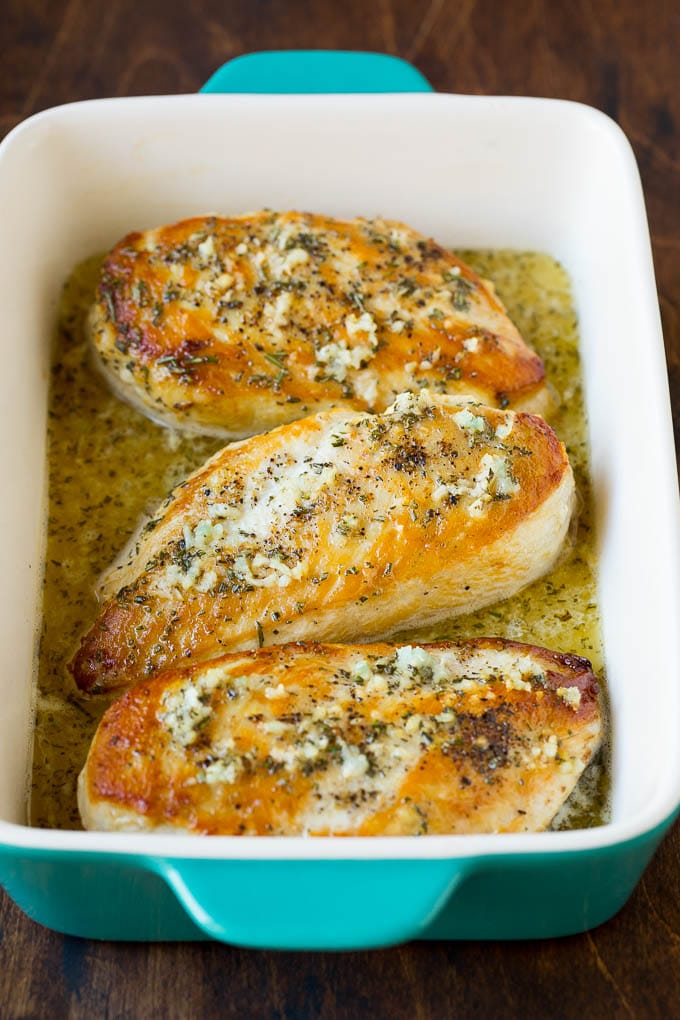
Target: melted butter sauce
109 466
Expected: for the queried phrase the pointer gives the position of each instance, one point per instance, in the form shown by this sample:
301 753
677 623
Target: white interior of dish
471 171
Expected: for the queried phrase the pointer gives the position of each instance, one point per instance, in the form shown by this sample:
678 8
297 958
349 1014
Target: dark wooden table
619 55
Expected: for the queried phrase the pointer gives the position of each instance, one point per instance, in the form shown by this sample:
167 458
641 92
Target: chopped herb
110 305
356 298
460 296
142 293
278 360
407 287
183 364
311 243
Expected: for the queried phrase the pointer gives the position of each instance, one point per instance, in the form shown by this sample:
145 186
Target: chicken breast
338 527
234 326
480 736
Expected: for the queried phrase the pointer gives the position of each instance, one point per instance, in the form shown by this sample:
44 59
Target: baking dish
472 171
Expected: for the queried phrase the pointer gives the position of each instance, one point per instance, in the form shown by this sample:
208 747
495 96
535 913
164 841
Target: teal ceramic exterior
316 71
324 903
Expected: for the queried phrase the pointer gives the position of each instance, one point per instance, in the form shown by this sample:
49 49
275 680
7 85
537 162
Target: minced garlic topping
467 420
187 708
571 695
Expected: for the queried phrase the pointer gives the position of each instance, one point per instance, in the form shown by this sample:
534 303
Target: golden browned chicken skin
337 527
234 326
373 740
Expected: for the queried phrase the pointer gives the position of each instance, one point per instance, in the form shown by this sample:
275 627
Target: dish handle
312 904
316 71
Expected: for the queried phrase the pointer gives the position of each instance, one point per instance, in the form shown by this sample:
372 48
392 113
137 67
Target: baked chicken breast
373 740
337 527
234 326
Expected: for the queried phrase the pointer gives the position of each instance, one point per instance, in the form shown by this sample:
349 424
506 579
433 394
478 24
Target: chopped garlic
364 323
271 571
549 749
338 358
221 771
465 419
206 249
366 386
408 403
275 726
272 693
296 257
377 684
187 707
223 510
570 695
504 429
354 763
414 658
493 480
362 670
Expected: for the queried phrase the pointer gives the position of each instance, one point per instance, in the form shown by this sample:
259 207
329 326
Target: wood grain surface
619 55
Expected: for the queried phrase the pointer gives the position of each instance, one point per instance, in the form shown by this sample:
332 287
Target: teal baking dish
475 172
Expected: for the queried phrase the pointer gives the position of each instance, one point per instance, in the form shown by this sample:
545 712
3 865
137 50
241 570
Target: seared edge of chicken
234 326
469 737
338 528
